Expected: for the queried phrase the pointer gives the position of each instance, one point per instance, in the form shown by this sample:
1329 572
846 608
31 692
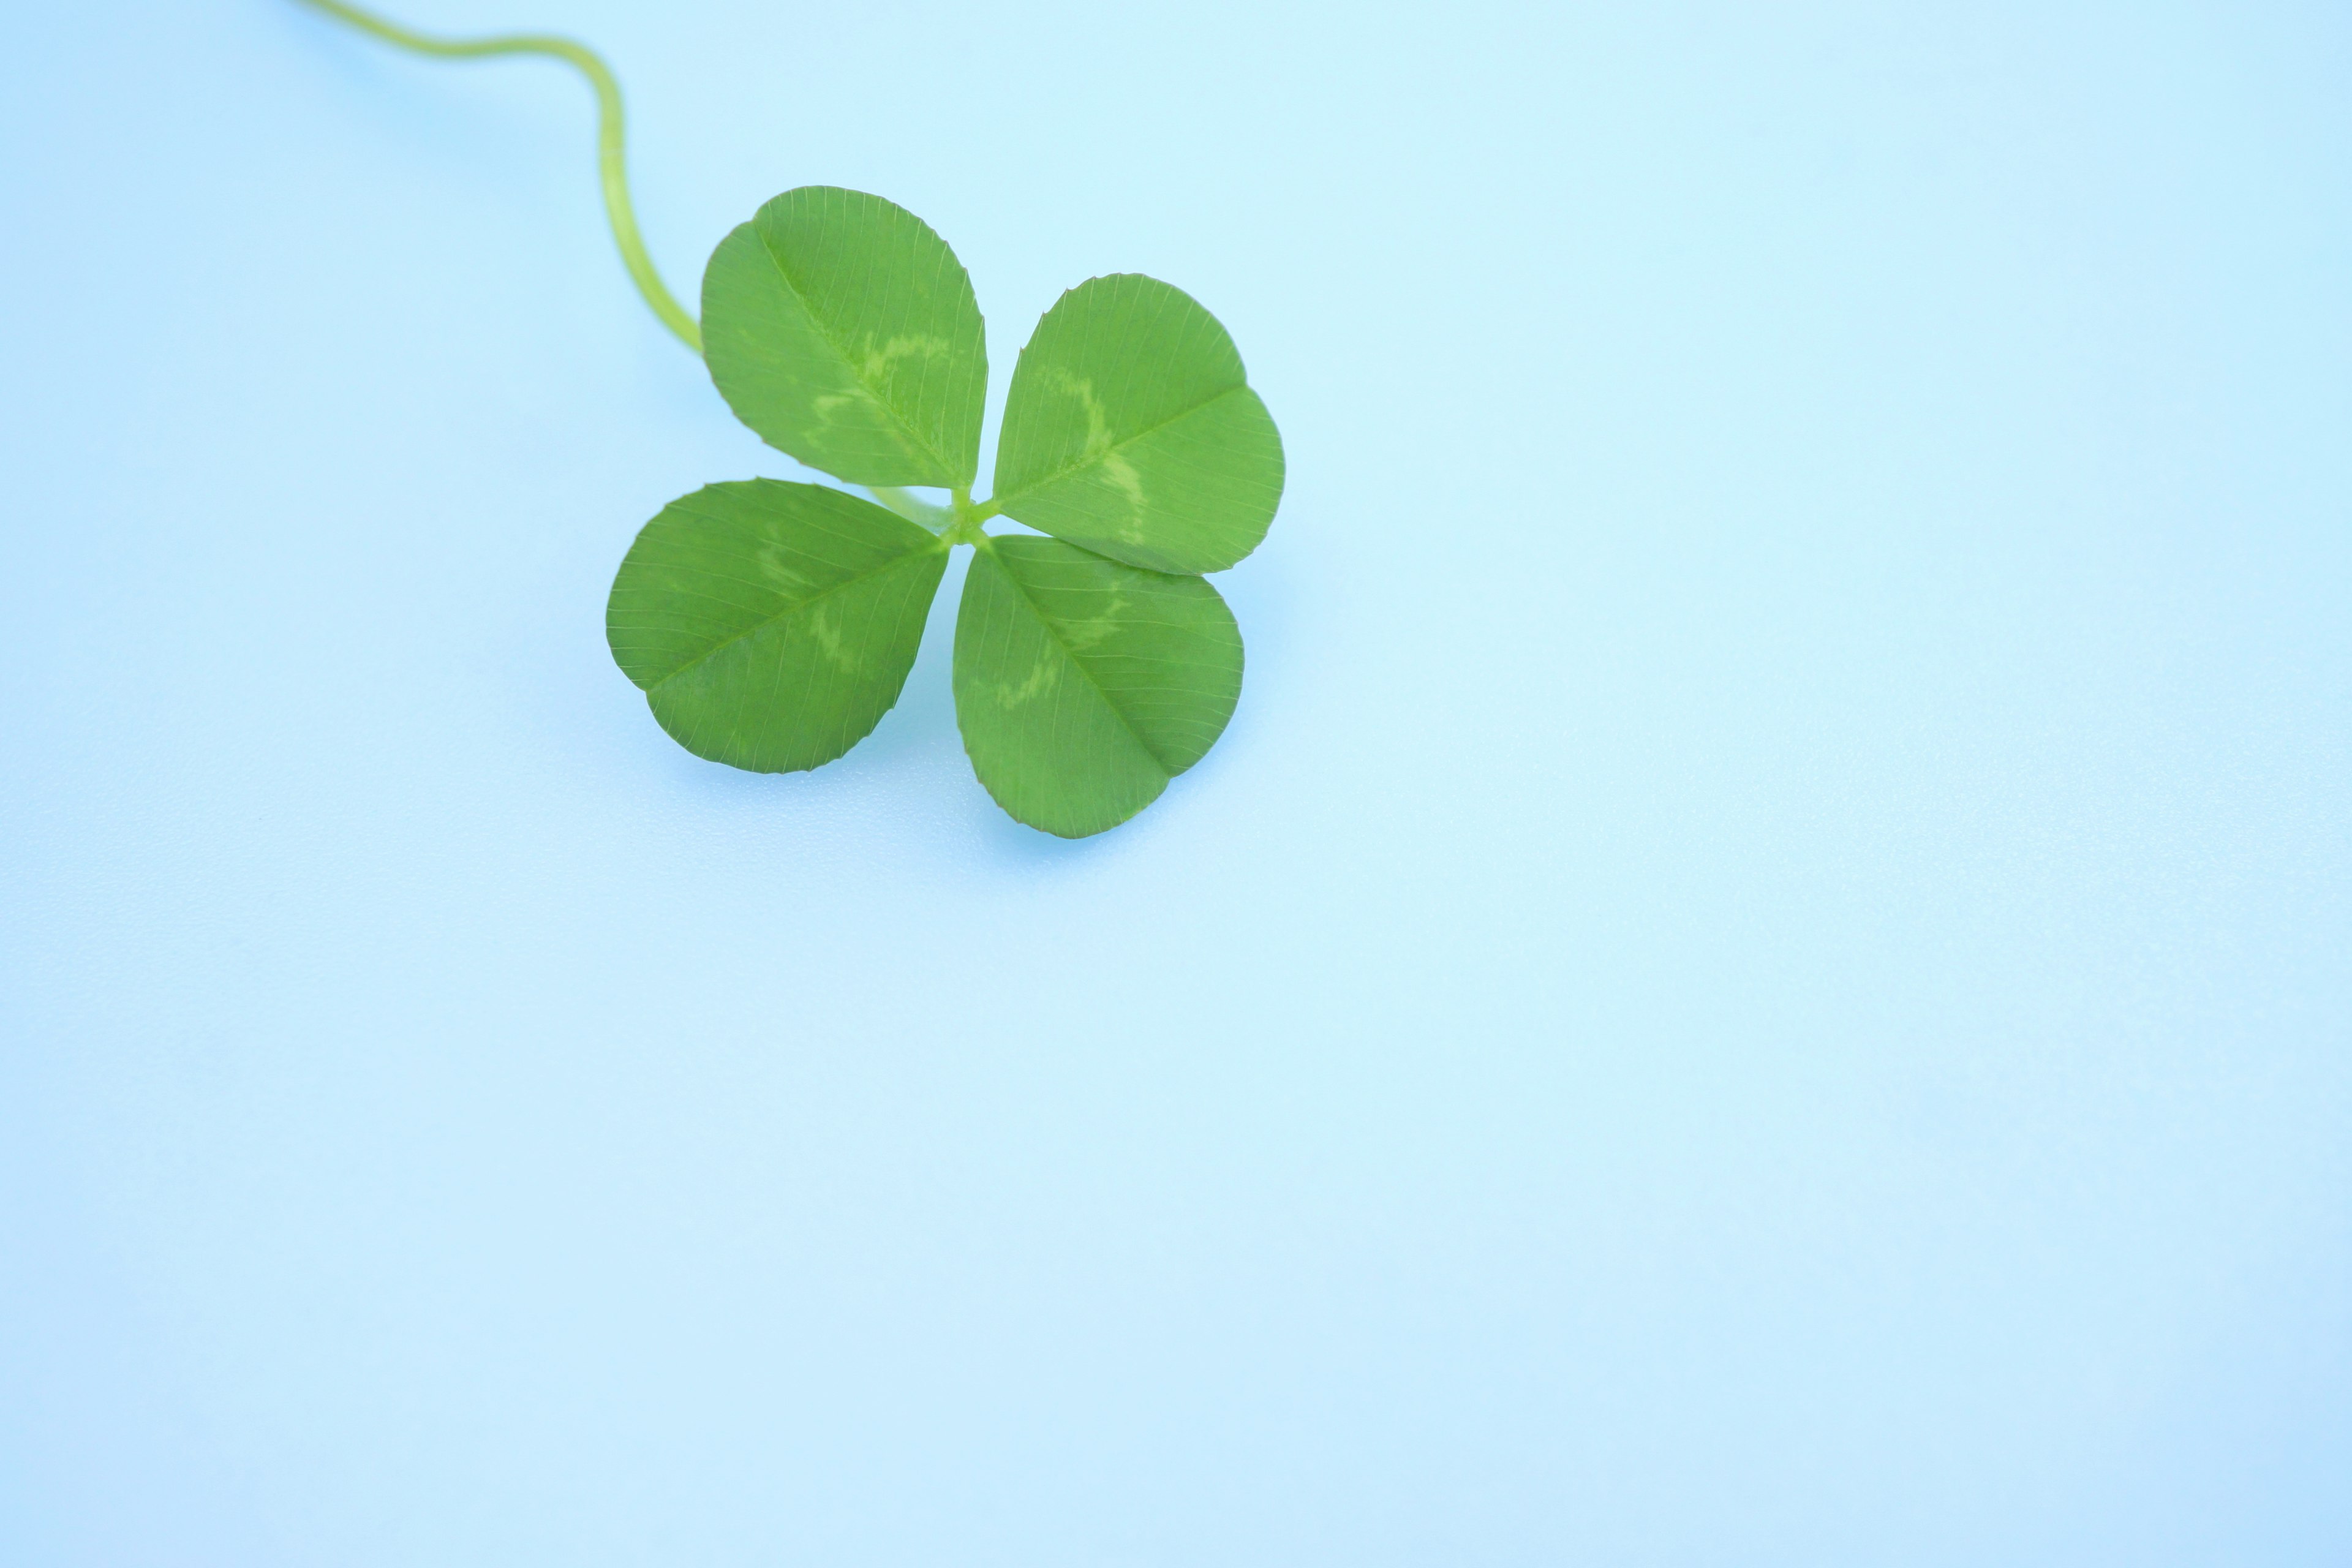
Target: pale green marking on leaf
1101 448
1043 675
775 567
824 626
1104 621
875 369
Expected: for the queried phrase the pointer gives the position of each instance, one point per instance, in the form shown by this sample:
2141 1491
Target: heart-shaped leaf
1083 685
844 331
1130 430
772 625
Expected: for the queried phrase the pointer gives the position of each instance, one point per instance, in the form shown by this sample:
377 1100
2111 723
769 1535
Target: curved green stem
611 163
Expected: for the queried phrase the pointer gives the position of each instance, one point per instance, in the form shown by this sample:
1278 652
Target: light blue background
1763 976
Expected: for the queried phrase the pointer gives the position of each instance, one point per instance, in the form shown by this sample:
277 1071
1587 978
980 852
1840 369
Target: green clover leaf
840 328
1083 686
1131 431
772 625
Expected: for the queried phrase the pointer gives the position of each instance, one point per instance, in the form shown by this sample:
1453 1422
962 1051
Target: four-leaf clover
771 624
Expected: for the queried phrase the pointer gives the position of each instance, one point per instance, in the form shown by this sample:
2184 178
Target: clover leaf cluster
771 624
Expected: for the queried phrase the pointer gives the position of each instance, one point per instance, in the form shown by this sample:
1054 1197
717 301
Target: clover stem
914 508
611 162
964 527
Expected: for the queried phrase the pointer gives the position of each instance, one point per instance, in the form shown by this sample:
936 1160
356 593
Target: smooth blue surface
1764 975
